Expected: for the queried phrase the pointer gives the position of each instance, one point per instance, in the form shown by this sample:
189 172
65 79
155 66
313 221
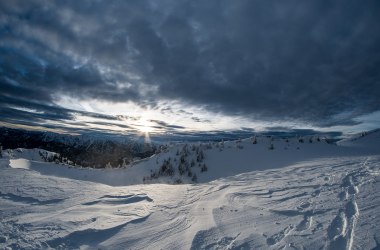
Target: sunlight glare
146 129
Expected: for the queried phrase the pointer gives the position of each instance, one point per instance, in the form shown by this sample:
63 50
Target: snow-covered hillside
203 162
294 195
363 140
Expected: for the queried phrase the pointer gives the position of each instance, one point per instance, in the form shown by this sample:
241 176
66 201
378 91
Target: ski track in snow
329 203
342 230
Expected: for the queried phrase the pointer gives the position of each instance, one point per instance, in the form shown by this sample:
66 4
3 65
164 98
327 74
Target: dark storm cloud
181 111
163 124
29 113
316 62
197 119
109 124
290 132
248 129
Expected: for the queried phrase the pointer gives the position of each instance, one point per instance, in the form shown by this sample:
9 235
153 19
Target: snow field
323 198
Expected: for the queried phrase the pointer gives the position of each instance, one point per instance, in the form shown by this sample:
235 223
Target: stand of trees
183 165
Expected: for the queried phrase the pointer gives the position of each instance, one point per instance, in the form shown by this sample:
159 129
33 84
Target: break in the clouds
182 66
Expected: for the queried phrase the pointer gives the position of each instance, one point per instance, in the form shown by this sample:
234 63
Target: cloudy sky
177 66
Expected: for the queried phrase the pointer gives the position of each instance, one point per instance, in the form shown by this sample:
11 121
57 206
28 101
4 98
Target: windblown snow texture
327 200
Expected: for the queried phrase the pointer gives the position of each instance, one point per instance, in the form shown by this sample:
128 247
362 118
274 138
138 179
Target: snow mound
368 140
20 163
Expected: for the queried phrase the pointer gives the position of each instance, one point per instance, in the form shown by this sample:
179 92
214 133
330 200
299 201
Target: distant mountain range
100 150
84 150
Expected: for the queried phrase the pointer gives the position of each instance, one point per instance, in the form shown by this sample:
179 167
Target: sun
146 129
145 126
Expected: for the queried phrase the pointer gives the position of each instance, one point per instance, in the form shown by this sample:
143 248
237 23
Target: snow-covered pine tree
195 178
204 168
200 156
254 140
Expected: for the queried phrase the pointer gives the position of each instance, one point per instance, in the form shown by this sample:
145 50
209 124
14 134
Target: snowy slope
363 140
319 196
222 159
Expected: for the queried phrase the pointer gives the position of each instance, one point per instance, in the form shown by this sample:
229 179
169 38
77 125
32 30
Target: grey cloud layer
313 61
